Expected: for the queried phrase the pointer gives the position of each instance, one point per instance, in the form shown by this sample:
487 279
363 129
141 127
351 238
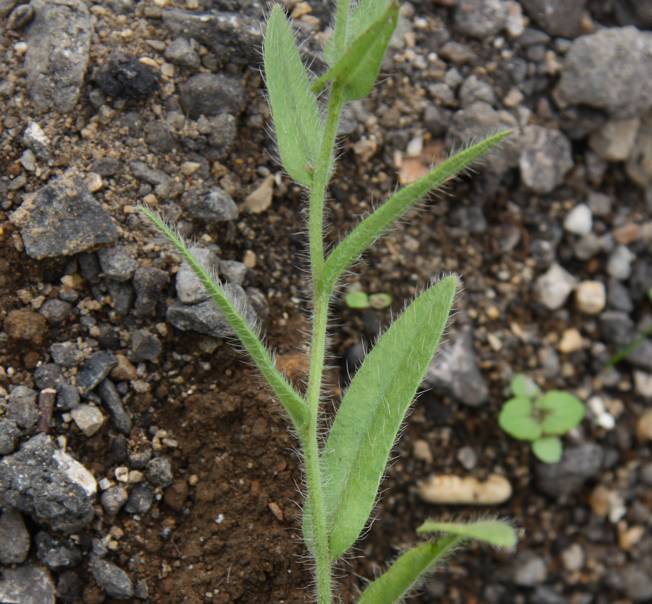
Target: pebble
14 538
48 484
644 426
573 557
259 200
117 263
591 297
113 404
9 434
145 345
62 219
141 499
124 371
159 471
22 408
112 579
213 205
66 354
149 284
56 311
36 140
545 159
619 265
579 220
56 553
26 325
480 18
571 341
88 418
48 375
127 77
421 450
553 287
638 166
528 569
643 383
233 271
27 585
578 464
209 94
96 369
637 582
182 52
468 490
54 79
467 457
615 140
68 396
113 499
189 288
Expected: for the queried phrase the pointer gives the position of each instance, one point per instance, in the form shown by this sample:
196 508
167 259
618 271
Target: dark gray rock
214 205
141 499
96 369
56 311
578 464
233 271
22 408
147 174
557 17
159 471
68 397
233 37
215 136
62 219
27 585
211 94
113 404
49 484
640 280
205 317
454 371
14 538
609 70
58 45
616 328
122 296
149 283
618 297
127 78
48 375
159 137
145 346
66 354
113 499
117 263
112 579
189 288
56 553
545 158
9 435
182 52
480 18
89 267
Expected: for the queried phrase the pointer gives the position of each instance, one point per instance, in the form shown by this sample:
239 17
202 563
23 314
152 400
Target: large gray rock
26 585
556 17
58 45
545 158
454 371
609 70
47 483
62 219
578 464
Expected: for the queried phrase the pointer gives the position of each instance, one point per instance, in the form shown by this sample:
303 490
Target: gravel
113 404
96 369
56 553
545 159
22 408
578 464
553 287
480 18
117 263
14 538
112 579
213 205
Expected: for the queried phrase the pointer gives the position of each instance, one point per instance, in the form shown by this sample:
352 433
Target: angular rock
14 538
553 287
56 311
27 585
113 404
637 582
62 219
615 140
579 220
66 354
210 94
578 464
231 36
480 18
545 158
58 46
127 77
454 370
88 418
22 408
556 17
214 205
609 70
141 499
639 164
56 553
145 346
149 283
95 370
116 263
112 579
35 139
159 471
48 484
205 317
233 271
113 499
189 287
68 396
181 52
48 375
9 435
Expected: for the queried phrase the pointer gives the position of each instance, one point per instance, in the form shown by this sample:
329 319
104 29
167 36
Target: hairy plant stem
321 298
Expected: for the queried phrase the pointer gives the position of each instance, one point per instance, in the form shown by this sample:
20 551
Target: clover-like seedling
540 418
360 300
344 463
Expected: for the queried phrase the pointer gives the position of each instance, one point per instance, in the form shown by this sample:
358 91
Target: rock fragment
27 584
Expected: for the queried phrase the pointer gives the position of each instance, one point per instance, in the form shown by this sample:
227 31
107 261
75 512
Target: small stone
94 182
615 140
56 311
159 471
261 199
181 52
591 297
643 383
644 426
26 325
117 264
66 354
176 495
421 450
480 18
474 89
68 396
96 369
619 265
149 283
141 499
214 205
113 499
557 17
545 159
124 371
209 94
145 346
89 419
637 582
56 553
189 288
14 538
467 457
579 220
578 464
553 287
112 579
571 341
35 139
27 585
48 375
639 164
22 408
573 557
127 77
233 271
9 435
528 569
456 490
599 203
113 404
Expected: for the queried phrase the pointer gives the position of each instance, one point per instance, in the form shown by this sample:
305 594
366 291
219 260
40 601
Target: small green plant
344 464
358 299
540 418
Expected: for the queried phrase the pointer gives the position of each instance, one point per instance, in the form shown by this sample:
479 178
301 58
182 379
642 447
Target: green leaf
562 411
548 449
372 410
404 575
357 300
294 106
358 66
374 225
523 386
517 419
493 532
380 301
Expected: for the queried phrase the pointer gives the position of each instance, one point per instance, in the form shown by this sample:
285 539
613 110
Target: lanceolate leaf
294 106
357 68
372 410
493 532
374 225
563 411
403 576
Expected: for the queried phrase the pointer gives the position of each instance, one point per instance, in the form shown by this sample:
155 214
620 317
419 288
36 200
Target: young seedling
540 418
344 465
357 299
